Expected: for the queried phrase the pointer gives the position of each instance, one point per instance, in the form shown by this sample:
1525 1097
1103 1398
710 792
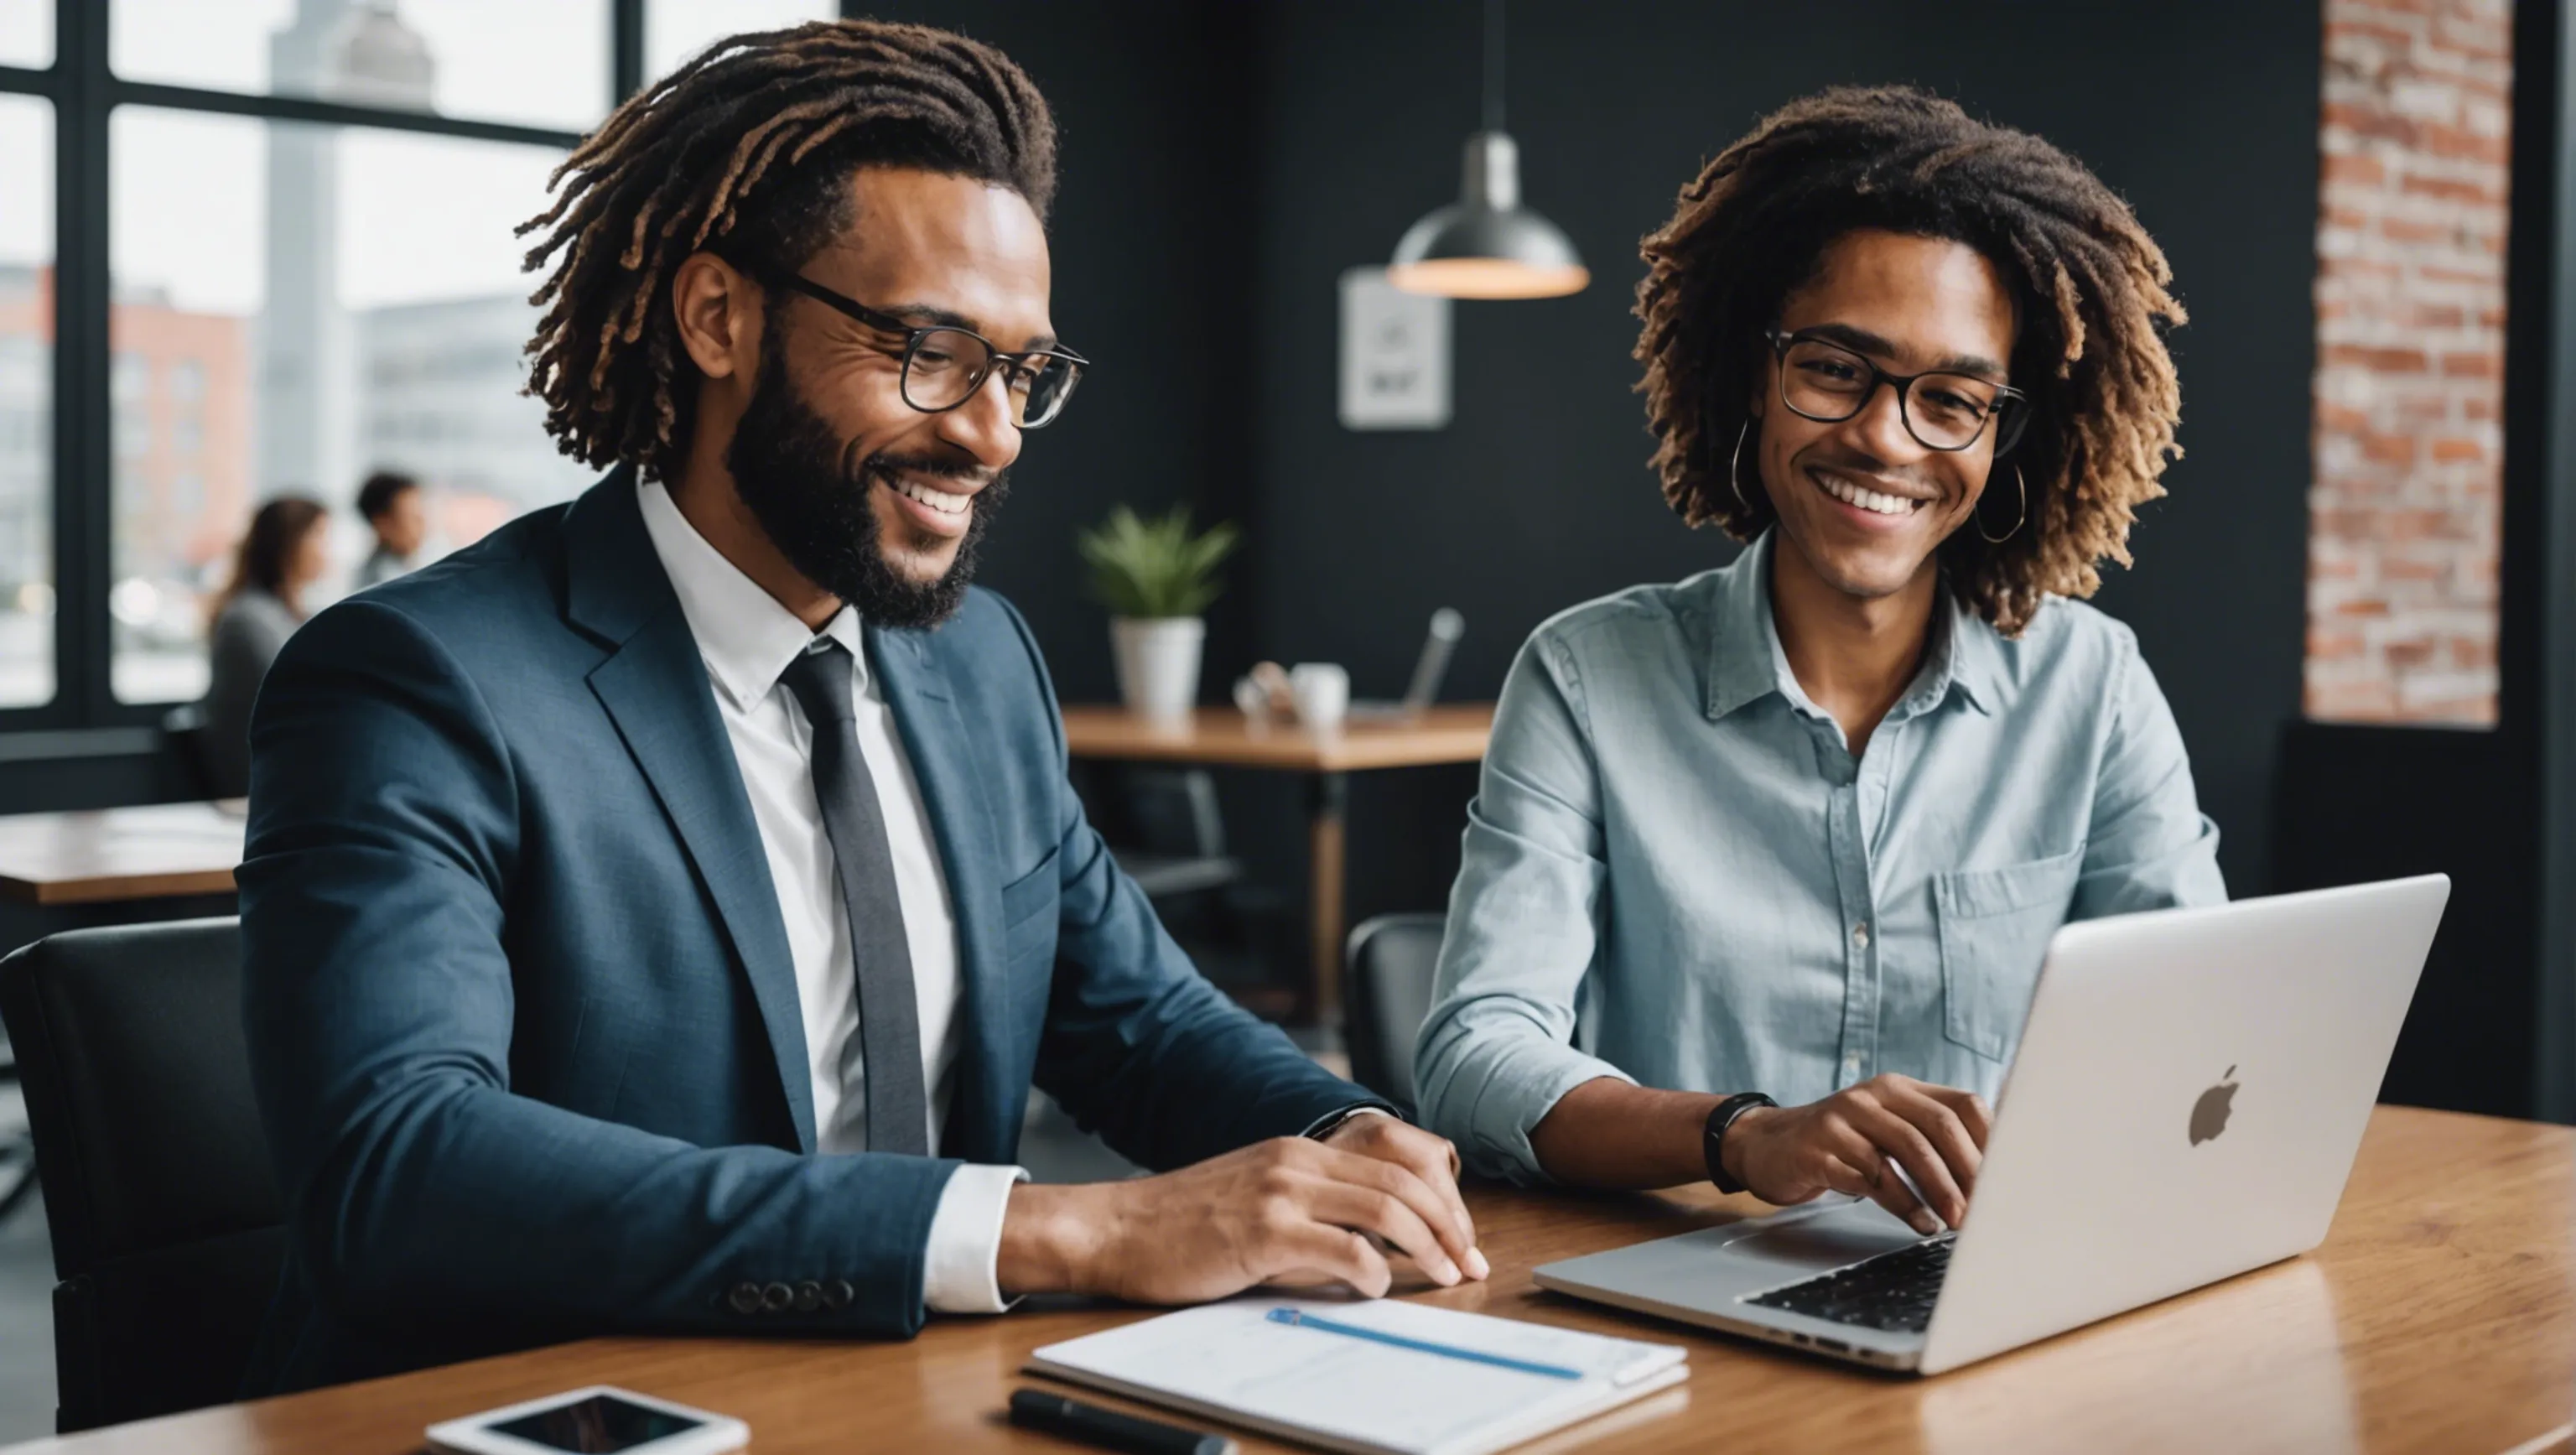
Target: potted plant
1156 576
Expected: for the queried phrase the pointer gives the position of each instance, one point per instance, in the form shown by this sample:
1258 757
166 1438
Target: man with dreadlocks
1796 832
655 916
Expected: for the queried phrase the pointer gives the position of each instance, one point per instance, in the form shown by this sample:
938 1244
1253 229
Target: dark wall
2438 801
1151 281
2203 115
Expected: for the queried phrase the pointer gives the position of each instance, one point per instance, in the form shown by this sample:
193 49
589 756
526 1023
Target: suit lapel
934 738
654 687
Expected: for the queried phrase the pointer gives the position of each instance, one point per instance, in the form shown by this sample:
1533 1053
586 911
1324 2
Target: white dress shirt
747 641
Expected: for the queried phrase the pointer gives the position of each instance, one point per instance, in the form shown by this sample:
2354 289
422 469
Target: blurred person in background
390 504
283 553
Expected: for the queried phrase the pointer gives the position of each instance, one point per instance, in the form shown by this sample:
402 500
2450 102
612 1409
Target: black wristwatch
1713 1139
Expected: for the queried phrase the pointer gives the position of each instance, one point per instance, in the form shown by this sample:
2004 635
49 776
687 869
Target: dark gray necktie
889 1016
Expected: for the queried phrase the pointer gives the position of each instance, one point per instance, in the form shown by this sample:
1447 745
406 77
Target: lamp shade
1486 245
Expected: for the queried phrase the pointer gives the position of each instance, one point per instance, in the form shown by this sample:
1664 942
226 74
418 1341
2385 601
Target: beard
812 499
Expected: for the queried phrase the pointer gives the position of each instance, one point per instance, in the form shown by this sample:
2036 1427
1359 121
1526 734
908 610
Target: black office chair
1173 839
164 1208
17 1152
1167 833
1390 965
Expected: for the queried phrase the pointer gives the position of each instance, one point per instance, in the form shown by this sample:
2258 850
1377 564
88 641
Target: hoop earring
1735 467
2019 489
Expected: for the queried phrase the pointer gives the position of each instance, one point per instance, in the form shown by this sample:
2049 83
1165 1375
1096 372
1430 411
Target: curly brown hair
750 144
2089 286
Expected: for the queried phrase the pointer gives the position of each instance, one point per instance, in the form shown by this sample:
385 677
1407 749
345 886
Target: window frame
85 92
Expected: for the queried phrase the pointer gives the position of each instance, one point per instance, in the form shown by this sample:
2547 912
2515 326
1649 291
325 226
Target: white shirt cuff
958 1269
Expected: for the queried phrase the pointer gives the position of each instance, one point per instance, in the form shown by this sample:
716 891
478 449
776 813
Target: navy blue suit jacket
521 1014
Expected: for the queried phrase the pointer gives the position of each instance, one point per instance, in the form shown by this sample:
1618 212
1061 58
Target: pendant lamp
1486 244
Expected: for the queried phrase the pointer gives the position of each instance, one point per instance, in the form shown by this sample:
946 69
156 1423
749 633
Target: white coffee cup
1322 691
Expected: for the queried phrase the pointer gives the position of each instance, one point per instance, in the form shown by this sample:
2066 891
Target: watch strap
1713 1138
1333 1121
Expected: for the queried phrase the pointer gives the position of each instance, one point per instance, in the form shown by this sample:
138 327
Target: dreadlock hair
749 146
2089 287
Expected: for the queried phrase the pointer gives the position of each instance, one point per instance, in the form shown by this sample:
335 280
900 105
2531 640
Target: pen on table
1300 1319
1037 1409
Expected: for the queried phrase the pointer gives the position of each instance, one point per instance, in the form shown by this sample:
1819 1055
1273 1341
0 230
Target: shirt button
1851 1068
745 1298
809 1296
1860 934
777 1298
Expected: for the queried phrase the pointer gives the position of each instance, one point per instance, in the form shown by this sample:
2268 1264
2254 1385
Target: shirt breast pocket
1995 926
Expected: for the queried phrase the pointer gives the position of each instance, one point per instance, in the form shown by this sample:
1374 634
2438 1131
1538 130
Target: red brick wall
2409 395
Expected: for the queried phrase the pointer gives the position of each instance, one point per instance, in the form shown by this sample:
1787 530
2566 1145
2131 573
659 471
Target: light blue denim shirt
1677 874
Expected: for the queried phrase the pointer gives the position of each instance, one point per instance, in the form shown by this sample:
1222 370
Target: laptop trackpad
1818 1238
1711 1268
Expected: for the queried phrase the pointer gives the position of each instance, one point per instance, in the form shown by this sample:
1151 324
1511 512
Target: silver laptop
2191 1088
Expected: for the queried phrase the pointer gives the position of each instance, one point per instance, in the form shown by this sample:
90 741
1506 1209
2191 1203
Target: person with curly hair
656 915
1763 864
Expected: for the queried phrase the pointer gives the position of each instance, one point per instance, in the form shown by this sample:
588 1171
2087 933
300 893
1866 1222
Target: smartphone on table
599 1420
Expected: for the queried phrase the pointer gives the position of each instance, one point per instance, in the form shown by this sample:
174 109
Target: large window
538 62
287 259
26 398
295 306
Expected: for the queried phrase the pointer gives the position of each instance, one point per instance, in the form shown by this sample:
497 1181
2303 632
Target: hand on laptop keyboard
1847 1142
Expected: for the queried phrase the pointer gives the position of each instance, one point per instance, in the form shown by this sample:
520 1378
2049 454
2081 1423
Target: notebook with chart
1375 1378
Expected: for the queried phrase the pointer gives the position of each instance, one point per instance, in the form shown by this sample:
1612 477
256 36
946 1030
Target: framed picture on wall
1395 355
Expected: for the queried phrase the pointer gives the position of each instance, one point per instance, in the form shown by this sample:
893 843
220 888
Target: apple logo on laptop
2209 1114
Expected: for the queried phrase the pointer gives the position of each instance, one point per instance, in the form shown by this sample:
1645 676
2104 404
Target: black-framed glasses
1827 382
943 365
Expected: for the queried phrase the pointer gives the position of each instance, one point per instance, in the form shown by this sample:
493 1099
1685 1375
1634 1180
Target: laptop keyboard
1892 1291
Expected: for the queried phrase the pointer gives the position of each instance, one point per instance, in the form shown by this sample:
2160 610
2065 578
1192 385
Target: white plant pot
1158 664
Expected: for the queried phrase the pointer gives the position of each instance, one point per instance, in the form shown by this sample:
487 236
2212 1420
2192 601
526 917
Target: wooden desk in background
117 855
1220 737
2440 1316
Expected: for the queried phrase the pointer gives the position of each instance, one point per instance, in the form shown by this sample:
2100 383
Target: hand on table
1846 1142
1289 1209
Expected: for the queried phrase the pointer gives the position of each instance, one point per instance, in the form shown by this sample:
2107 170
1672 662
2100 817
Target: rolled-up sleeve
1497 1049
2150 846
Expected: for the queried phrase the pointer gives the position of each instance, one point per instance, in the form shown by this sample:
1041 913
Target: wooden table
114 855
1221 737
2440 1316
